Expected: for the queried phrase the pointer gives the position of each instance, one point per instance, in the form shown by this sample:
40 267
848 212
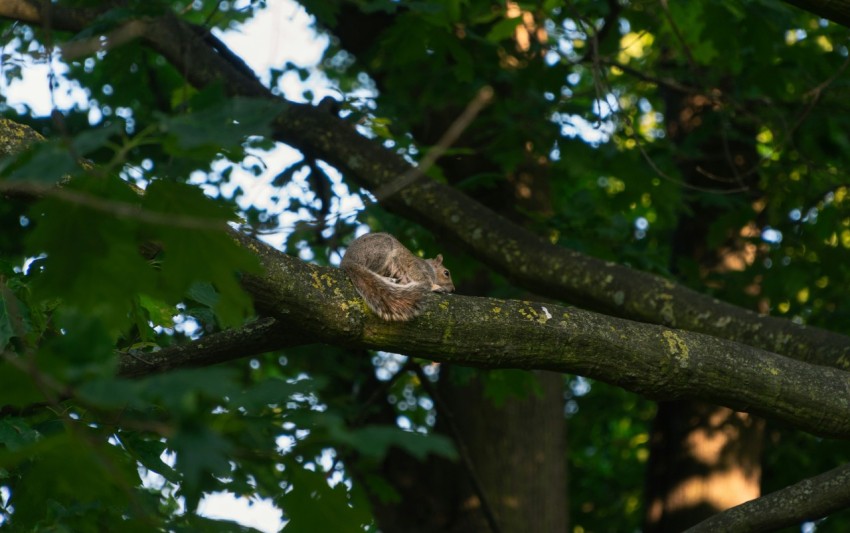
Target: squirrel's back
390 278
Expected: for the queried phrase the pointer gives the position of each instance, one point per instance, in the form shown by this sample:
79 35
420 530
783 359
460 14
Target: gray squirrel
390 278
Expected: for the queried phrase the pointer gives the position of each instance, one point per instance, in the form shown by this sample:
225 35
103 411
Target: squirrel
390 278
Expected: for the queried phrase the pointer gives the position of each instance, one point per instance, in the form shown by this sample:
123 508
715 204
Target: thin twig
681 38
115 208
668 83
463 451
481 99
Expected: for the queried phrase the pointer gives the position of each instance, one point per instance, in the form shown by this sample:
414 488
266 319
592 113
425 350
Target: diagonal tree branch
654 361
526 259
807 500
312 304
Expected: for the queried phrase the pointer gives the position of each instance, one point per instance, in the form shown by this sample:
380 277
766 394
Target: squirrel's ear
439 259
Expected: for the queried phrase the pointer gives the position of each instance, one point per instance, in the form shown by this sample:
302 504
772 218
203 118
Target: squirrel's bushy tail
390 300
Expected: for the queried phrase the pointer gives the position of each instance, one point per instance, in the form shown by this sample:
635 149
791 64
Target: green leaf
9 314
180 391
224 125
312 505
16 387
16 434
74 478
92 257
159 312
90 140
201 453
272 391
194 255
203 293
109 393
85 349
45 163
375 441
148 451
382 489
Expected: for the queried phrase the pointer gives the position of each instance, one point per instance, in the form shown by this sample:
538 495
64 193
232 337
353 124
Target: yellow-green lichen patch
354 303
320 281
677 347
444 305
495 309
528 312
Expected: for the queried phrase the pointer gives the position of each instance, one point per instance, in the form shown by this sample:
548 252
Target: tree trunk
518 450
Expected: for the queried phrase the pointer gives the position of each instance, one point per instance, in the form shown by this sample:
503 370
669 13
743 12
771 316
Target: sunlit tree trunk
705 458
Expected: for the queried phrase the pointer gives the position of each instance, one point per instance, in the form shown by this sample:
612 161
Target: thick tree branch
809 499
654 361
315 304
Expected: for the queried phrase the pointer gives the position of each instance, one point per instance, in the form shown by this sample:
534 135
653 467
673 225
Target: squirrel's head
444 277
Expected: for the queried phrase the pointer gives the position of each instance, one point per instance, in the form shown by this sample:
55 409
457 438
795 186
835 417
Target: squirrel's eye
446 273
